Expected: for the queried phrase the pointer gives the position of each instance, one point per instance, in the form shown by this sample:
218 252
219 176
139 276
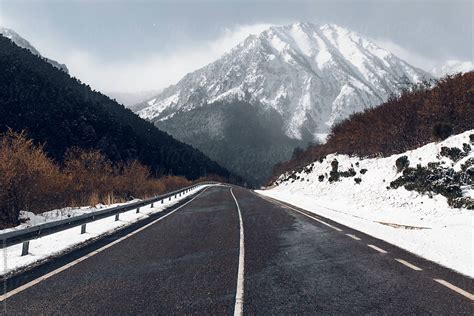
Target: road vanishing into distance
228 250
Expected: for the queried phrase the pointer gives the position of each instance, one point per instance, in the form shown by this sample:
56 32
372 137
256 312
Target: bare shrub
31 181
90 174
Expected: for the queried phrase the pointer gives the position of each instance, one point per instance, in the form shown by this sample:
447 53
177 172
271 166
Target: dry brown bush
31 181
134 180
91 177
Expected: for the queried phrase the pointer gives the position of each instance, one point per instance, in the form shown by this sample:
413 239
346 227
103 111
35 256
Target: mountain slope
452 67
307 76
245 138
312 75
62 112
417 117
23 43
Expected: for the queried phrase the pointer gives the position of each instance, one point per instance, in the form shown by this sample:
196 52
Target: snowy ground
48 246
422 225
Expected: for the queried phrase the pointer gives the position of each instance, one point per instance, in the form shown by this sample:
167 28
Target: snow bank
48 246
424 225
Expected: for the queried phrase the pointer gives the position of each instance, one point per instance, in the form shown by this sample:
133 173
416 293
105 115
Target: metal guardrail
25 235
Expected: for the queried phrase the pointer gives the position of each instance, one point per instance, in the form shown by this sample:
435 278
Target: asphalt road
292 262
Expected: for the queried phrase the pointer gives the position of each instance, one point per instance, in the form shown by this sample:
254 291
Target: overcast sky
147 45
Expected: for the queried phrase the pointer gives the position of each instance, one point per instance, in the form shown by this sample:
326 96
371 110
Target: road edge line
25 286
272 200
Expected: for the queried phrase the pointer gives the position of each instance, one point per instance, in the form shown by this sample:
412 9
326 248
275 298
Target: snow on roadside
48 246
31 219
426 226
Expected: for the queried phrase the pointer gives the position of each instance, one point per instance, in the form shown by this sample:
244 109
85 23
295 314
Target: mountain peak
23 43
313 75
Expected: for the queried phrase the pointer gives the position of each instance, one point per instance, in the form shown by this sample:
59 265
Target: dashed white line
353 236
239 295
408 264
404 262
294 209
455 289
73 263
377 248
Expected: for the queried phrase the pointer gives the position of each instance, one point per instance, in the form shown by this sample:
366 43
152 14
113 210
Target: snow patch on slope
426 226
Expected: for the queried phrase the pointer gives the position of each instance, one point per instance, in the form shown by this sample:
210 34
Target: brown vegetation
414 118
31 181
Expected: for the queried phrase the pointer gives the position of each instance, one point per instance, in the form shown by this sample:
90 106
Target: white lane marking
455 289
239 295
377 248
294 209
353 236
408 264
73 263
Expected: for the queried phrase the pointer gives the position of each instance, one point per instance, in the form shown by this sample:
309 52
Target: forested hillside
244 138
62 112
418 116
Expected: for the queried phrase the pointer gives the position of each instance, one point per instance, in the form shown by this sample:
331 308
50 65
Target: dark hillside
61 112
244 138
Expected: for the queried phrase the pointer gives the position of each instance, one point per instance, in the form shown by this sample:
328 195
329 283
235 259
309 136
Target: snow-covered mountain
452 67
23 43
313 76
276 91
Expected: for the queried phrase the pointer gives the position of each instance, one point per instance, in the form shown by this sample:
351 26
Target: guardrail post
117 216
24 249
138 210
83 229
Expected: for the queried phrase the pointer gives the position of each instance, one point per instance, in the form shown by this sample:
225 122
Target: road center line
377 248
455 289
353 236
239 295
408 264
73 263
294 209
